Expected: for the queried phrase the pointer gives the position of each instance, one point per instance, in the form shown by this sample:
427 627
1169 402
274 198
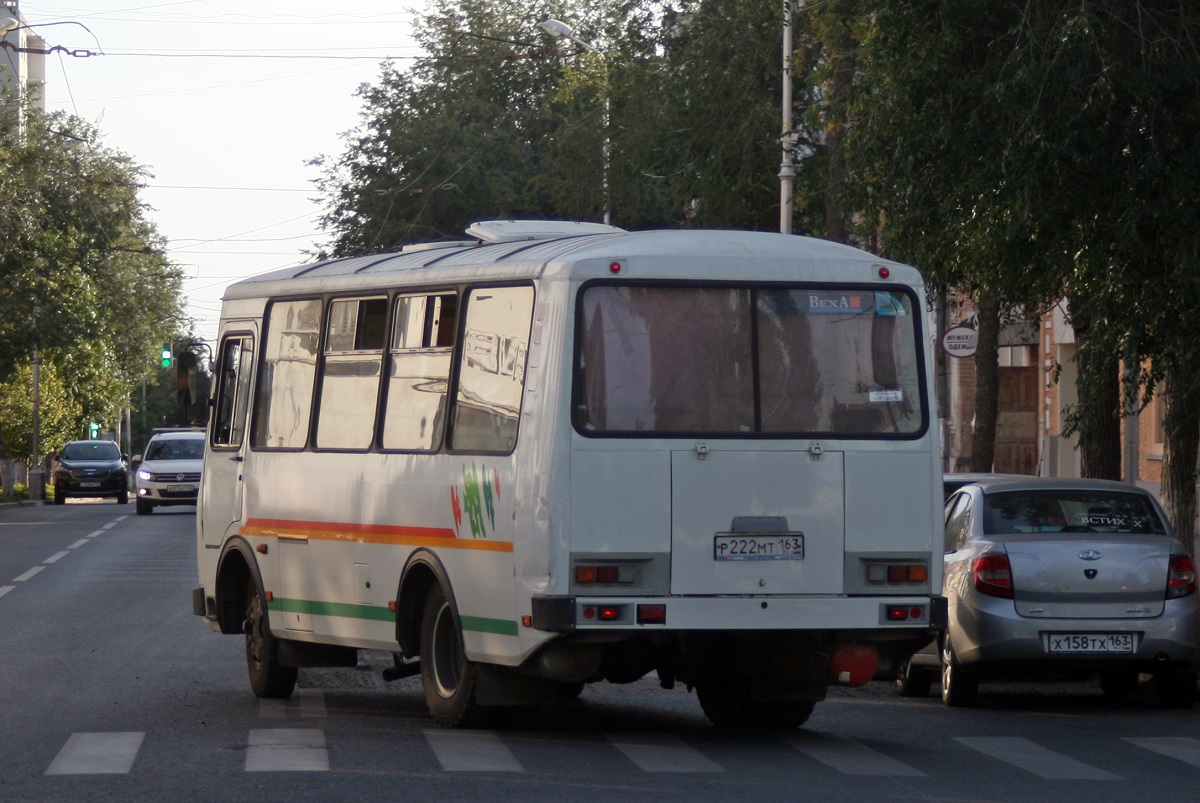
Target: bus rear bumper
878 615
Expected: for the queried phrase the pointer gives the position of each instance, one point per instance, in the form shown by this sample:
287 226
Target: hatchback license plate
1067 643
89 485
179 489
758 547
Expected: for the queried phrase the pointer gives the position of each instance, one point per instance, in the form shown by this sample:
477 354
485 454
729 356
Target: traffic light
94 430
166 355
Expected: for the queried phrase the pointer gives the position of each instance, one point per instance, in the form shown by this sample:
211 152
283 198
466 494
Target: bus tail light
897 573
651 614
605 573
904 613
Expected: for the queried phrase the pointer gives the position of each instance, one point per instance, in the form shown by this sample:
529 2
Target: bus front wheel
267 677
446 674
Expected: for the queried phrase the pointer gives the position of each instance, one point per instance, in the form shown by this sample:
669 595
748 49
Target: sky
224 102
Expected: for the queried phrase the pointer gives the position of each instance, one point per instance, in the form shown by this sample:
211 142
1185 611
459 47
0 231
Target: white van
560 453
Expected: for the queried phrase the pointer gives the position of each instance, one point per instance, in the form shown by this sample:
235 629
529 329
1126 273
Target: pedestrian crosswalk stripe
1183 748
97 754
472 751
849 756
1032 757
662 752
287 750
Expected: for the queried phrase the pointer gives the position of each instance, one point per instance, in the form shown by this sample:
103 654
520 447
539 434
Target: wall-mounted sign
960 341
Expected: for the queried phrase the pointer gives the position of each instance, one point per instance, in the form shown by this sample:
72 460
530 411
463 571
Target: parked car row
1052 577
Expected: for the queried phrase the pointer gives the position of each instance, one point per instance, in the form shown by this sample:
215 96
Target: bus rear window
747 361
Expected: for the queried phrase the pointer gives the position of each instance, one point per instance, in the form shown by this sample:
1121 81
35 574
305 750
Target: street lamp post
561 30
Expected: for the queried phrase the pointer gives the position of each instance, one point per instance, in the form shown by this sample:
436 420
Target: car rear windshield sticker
885 396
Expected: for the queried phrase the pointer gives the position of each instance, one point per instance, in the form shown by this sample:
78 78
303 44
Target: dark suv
91 468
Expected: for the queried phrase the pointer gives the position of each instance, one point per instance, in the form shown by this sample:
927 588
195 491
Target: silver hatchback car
1046 574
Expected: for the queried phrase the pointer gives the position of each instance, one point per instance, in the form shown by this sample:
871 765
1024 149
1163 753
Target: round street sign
960 341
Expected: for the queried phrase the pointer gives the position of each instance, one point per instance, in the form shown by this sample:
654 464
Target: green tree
1043 149
83 277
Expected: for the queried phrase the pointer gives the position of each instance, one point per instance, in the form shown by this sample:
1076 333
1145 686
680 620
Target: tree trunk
1099 388
987 381
1180 444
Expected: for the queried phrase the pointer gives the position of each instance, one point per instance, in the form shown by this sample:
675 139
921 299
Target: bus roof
519 248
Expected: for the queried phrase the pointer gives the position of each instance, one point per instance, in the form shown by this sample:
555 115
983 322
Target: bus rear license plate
180 489
758 547
1068 643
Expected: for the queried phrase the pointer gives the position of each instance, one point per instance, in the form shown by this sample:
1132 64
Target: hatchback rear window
1067 511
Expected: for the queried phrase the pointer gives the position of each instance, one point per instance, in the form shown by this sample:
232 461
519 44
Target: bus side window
491 378
283 405
350 373
422 334
233 391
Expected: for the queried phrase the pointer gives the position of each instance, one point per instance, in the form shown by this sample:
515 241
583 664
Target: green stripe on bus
342 609
478 624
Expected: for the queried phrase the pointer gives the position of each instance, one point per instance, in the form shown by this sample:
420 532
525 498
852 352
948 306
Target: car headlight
144 475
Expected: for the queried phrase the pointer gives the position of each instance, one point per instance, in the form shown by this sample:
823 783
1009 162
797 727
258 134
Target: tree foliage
83 278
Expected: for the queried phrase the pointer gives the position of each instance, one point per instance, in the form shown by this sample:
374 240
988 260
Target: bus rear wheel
267 677
727 704
446 674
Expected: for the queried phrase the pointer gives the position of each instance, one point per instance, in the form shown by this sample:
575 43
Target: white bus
560 453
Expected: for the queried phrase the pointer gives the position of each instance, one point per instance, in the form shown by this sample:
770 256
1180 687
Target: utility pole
787 140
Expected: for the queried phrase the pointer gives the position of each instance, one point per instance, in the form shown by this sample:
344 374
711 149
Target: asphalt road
110 689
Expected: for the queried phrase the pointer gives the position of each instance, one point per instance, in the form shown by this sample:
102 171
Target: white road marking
849 756
78 543
28 574
287 750
472 751
1183 748
97 754
5 589
56 558
1032 757
662 752
97 532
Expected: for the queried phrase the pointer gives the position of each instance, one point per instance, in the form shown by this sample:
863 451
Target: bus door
221 491
757 522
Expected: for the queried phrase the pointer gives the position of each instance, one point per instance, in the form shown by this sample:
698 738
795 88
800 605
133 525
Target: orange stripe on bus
370 533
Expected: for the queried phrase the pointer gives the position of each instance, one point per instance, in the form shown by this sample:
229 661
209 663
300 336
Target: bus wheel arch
420 574
237 571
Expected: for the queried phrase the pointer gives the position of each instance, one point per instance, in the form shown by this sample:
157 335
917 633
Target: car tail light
993 576
1181 577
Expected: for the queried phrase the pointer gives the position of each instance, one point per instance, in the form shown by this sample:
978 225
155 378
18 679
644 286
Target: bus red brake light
609 613
992 575
651 614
